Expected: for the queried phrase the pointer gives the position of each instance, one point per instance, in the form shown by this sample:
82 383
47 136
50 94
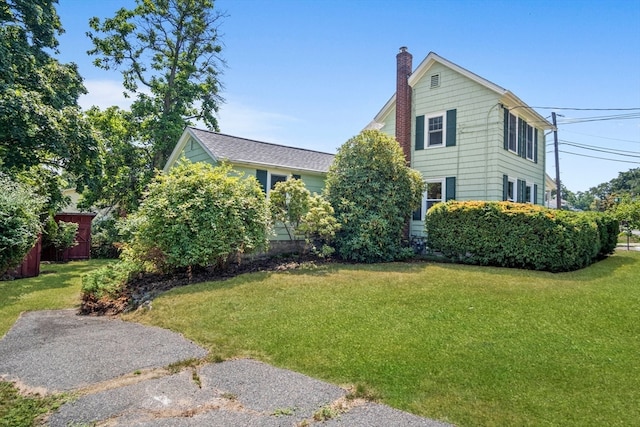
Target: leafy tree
627 212
40 121
168 52
288 203
197 215
304 215
19 221
319 226
374 194
126 164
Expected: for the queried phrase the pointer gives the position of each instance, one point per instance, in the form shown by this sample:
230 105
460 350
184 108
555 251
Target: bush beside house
519 235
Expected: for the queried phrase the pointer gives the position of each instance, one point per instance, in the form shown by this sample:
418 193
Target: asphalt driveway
117 371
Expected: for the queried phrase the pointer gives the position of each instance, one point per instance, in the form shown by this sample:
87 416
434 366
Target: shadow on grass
52 276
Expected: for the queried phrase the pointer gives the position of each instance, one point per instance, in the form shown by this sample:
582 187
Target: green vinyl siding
195 153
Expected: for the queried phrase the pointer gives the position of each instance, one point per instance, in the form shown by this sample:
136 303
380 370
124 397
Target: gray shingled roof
241 150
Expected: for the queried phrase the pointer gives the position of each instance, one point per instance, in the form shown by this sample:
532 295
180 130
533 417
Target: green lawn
468 345
58 286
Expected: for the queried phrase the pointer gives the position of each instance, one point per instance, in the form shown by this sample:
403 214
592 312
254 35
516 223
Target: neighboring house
471 139
269 163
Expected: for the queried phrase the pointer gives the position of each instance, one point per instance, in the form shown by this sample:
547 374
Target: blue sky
313 74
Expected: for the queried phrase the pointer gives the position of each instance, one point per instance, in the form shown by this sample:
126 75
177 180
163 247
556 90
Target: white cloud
248 122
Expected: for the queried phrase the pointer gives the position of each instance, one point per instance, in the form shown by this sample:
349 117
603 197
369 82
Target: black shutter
419 133
535 145
451 128
261 176
521 138
294 176
506 129
522 188
505 187
535 194
450 188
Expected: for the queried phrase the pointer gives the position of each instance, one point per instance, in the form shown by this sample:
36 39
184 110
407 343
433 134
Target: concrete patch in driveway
97 357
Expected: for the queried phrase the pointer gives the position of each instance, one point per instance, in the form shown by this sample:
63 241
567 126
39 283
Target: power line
599 158
603 137
586 109
602 149
601 118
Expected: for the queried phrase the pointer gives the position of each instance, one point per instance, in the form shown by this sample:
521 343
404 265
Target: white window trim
277 173
533 138
442 114
443 182
516 134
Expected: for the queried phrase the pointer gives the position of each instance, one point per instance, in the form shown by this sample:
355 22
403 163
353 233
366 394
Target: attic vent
435 80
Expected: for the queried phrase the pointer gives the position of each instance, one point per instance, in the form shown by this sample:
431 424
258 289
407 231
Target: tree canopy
169 54
40 121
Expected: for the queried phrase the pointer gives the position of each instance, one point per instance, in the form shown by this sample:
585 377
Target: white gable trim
182 142
433 58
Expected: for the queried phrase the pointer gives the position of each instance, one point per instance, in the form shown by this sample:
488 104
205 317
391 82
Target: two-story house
470 138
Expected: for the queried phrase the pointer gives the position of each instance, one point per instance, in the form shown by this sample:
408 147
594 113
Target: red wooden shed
83 238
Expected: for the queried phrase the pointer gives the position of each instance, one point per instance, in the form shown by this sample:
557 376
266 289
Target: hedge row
520 235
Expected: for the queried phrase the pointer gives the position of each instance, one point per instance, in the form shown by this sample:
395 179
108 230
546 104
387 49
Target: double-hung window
512 190
436 131
434 193
528 193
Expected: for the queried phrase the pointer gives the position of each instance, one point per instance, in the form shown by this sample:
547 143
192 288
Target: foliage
17 410
60 235
40 121
628 213
19 222
467 345
108 281
197 215
519 235
105 239
288 203
168 51
127 166
374 194
319 226
303 215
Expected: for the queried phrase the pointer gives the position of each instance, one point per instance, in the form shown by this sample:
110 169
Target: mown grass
464 344
57 287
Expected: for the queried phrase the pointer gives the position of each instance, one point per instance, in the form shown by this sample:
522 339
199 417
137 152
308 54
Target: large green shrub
519 235
19 222
197 215
373 193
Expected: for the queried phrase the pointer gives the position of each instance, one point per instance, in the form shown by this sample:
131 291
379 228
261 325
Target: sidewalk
118 369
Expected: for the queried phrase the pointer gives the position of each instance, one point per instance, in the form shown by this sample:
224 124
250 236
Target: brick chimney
403 102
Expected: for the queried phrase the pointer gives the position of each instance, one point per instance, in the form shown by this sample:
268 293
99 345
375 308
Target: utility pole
555 143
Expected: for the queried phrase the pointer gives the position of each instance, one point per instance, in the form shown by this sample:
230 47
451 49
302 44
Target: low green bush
519 235
108 281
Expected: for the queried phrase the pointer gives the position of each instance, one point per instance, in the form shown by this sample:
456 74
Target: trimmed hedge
519 235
